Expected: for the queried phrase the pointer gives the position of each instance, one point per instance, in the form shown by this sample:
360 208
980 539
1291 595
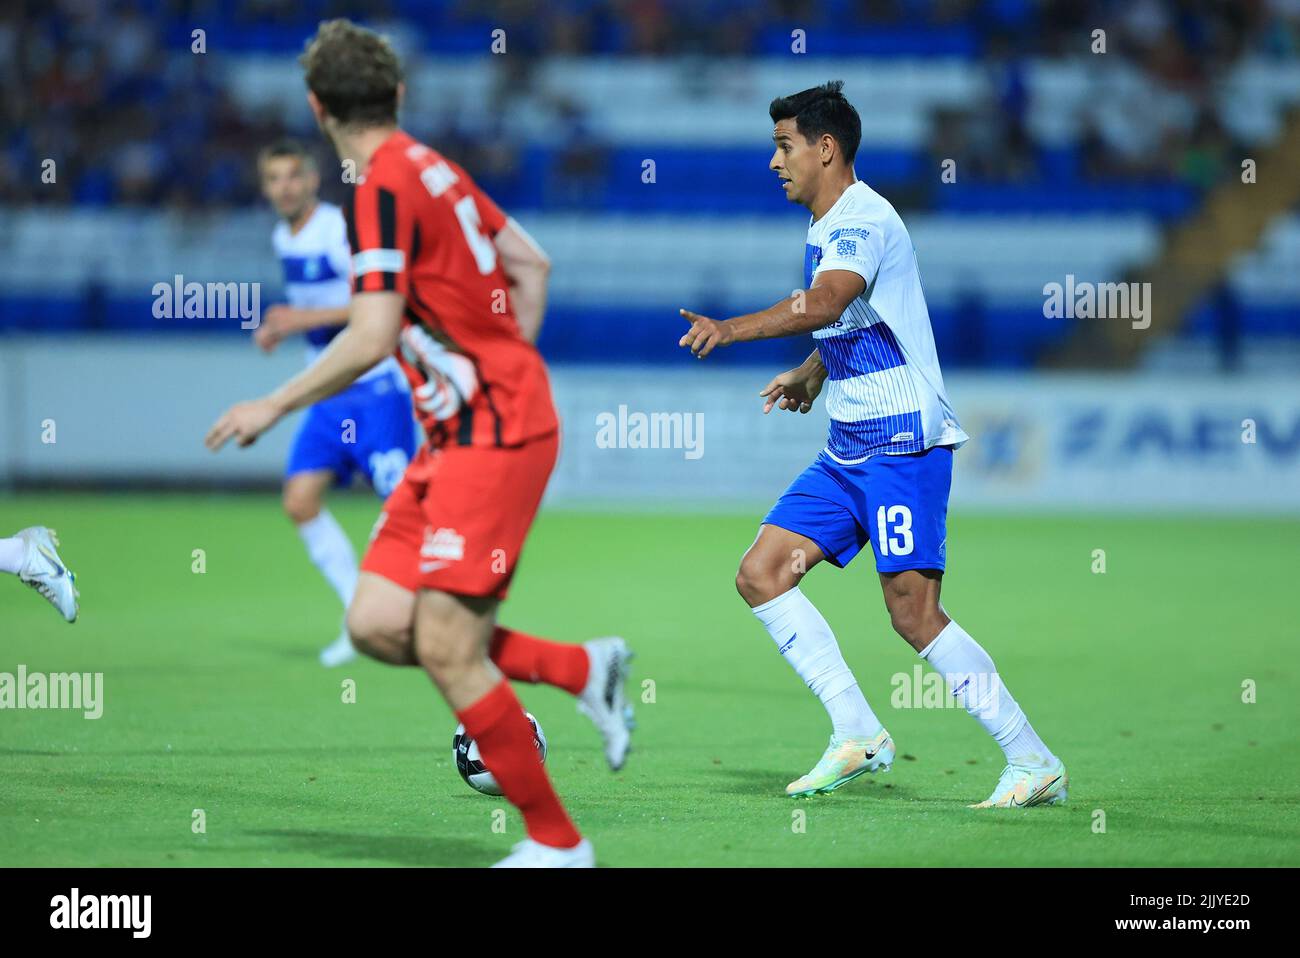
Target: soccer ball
470 764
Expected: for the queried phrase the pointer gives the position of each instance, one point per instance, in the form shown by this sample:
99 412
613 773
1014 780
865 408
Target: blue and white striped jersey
884 391
317 265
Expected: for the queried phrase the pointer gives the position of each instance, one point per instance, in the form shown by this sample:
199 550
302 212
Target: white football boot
339 652
1024 786
843 761
531 854
45 572
603 700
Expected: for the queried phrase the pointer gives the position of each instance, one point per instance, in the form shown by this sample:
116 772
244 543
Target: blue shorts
367 428
897 503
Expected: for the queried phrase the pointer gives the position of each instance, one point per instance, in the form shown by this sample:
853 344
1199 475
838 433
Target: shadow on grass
332 752
434 851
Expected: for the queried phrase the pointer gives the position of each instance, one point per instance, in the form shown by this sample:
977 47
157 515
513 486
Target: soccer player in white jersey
32 555
885 473
367 428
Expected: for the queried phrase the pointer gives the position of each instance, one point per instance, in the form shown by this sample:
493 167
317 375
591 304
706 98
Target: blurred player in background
368 427
885 473
458 290
33 556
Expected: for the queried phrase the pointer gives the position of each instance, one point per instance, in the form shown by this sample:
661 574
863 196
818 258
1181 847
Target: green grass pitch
214 699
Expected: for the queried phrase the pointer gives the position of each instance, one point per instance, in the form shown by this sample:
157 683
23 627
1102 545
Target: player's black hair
823 109
285 147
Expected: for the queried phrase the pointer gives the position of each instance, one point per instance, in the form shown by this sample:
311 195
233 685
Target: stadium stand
1068 161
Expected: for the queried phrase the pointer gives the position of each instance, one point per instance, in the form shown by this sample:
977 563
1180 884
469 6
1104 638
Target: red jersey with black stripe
419 226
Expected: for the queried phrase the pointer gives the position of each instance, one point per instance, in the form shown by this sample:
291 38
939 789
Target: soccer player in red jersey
456 289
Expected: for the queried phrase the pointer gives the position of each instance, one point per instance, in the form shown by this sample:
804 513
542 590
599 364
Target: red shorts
458 519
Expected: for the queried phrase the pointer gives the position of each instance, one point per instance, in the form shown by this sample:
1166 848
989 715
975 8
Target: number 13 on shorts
894 531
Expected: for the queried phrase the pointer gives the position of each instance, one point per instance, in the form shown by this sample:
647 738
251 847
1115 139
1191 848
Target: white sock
808 644
12 553
973 680
331 550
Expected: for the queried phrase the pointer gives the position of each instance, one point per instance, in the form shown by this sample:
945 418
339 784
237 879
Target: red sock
526 658
505 740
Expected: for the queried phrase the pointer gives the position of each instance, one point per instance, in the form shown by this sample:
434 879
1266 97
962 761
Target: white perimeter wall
137 409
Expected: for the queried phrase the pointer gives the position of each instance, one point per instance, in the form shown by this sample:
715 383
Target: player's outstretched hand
795 390
273 328
704 333
242 422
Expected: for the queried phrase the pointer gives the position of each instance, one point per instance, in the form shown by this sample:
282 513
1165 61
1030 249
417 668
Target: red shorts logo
441 547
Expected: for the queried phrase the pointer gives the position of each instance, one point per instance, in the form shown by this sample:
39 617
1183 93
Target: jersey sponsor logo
445 544
308 269
846 247
379 261
850 231
438 178
906 436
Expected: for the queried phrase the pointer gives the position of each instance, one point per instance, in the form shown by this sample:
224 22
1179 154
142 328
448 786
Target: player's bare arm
371 334
527 268
805 311
283 320
796 389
